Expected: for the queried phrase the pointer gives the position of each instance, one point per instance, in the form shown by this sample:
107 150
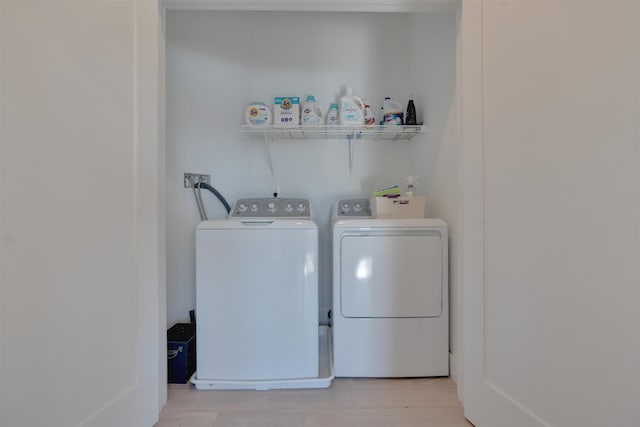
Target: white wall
218 62
436 161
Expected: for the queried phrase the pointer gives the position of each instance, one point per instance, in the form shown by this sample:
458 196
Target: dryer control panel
354 208
271 208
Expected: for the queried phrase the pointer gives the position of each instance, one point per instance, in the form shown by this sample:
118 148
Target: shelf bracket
352 147
267 144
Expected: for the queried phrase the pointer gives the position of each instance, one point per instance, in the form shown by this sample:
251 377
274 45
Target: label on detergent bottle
392 118
351 112
391 113
332 118
309 118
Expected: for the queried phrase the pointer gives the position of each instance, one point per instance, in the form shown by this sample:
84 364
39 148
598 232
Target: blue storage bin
181 352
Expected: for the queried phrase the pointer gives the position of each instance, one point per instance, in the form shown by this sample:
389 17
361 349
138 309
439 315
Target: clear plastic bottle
411 185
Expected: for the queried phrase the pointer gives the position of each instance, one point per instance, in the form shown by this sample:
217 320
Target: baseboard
453 368
456 375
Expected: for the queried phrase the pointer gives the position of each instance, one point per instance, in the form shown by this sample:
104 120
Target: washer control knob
346 207
254 207
301 207
357 207
271 206
242 207
288 207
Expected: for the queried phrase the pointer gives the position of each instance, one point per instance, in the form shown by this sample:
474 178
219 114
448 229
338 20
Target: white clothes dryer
257 298
390 315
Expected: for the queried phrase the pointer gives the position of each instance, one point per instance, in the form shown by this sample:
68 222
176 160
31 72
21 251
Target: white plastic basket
398 207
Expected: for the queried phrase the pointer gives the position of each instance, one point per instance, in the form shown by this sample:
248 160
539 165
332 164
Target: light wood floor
423 402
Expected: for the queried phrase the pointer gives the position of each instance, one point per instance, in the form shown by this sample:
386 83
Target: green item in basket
389 191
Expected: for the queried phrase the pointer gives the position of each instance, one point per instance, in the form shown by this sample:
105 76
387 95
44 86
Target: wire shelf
333 132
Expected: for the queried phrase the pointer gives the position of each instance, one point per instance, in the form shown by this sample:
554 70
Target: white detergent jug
351 109
311 112
391 113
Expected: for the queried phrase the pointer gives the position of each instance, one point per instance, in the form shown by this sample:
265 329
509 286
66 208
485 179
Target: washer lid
255 224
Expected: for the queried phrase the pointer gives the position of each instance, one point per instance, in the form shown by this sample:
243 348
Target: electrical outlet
197 177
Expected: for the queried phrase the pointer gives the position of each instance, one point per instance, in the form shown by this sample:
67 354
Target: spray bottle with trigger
411 182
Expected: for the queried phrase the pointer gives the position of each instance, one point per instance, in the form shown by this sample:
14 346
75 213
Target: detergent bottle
391 113
410 117
311 112
351 109
369 117
332 114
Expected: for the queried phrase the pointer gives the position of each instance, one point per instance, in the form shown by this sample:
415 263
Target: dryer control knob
301 207
346 207
288 207
254 207
271 206
242 207
357 207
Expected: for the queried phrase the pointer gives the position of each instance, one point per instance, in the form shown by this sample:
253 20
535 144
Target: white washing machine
257 298
390 294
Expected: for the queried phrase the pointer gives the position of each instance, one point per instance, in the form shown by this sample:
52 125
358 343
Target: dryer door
392 274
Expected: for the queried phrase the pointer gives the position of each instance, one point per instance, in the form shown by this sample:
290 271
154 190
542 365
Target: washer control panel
354 208
271 208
